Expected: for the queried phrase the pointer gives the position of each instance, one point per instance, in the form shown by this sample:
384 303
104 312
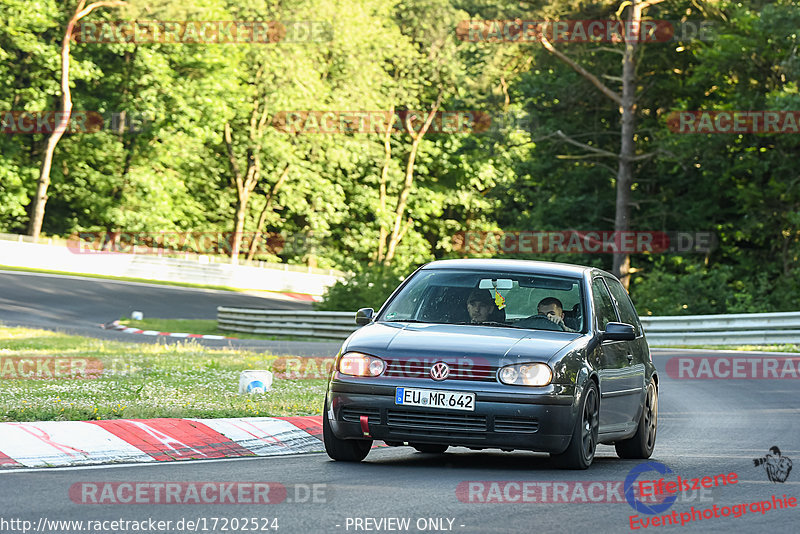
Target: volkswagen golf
504 354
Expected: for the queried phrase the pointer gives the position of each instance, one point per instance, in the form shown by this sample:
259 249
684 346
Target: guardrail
324 325
734 329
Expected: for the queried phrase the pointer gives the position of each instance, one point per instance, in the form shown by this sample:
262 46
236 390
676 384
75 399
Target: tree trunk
238 226
40 200
244 186
243 199
627 151
387 159
627 109
402 200
262 218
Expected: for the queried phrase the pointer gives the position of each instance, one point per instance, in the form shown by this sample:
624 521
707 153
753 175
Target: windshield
489 298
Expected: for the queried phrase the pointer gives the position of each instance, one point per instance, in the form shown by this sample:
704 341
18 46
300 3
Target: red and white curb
130 330
70 443
303 297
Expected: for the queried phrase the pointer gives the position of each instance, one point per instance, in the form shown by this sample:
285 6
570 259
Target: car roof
525 266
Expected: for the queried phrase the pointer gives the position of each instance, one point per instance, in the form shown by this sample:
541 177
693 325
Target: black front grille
353 415
435 423
516 424
462 370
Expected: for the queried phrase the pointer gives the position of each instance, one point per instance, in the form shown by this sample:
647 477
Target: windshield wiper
490 323
405 321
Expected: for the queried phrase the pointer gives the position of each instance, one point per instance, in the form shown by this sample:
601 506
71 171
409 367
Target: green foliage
366 289
175 174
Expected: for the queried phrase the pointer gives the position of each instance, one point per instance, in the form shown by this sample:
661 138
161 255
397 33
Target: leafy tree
38 204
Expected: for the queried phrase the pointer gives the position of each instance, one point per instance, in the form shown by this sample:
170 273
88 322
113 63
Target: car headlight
358 364
526 374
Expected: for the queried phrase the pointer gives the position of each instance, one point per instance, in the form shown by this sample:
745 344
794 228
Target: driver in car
552 308
480 305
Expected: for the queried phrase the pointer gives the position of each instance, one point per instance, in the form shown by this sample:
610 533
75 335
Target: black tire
343 450
642 444
582 446
430 448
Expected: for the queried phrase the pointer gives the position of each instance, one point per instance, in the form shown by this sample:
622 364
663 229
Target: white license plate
434 398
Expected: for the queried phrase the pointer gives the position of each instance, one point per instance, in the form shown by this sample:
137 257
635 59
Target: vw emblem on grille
440 371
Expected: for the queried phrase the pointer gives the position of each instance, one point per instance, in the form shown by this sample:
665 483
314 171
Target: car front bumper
540 420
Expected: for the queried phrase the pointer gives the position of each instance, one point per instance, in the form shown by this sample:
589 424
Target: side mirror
364 316
619 332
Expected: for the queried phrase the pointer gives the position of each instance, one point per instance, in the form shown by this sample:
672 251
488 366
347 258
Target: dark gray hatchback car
501 354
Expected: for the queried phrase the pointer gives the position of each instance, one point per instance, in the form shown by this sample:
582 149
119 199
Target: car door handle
630 358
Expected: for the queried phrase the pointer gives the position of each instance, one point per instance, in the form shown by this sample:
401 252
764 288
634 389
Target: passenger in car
552 308
482 308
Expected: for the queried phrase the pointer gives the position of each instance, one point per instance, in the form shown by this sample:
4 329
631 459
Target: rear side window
603 307
627 313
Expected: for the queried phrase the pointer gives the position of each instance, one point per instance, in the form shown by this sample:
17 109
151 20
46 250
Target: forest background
567 135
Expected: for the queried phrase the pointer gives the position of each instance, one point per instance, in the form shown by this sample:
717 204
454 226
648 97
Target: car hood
414 340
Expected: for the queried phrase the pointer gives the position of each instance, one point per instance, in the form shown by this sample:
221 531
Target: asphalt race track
79 305
706 428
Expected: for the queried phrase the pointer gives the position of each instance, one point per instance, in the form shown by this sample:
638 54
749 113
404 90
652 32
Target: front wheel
342 450
582 446
641 444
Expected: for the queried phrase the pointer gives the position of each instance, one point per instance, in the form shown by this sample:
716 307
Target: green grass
141 381
751 348
140 280
203 326
191 326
